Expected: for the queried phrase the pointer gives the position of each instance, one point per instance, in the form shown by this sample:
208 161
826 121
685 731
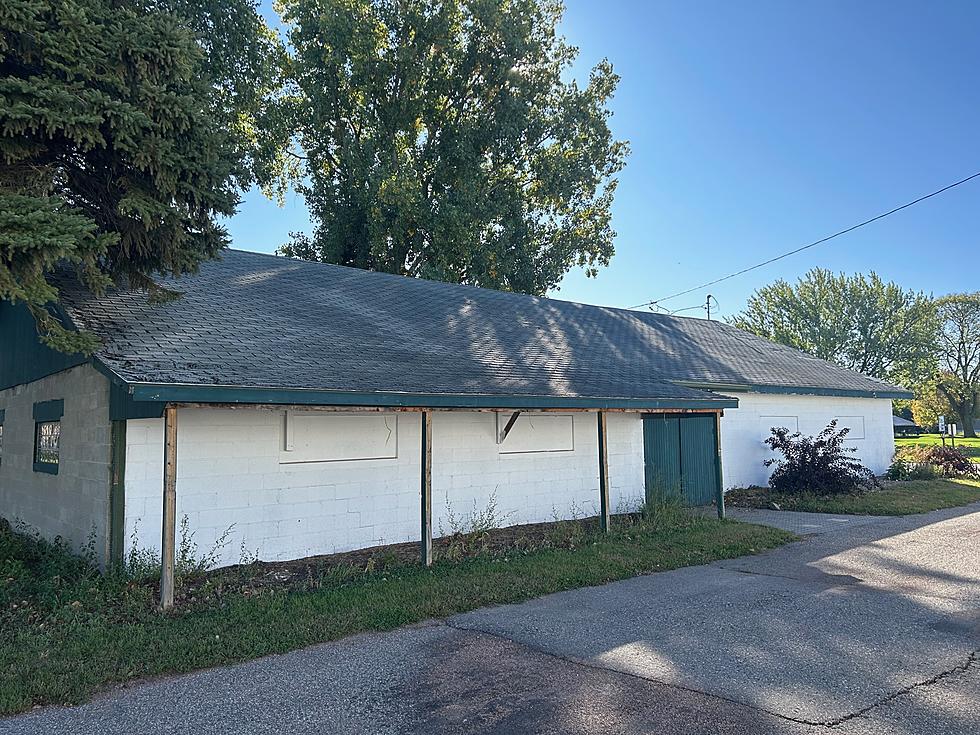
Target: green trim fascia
23 357
176 393
49 410
799 390
117 493
123 407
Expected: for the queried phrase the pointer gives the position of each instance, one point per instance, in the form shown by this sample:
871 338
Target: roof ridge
485 289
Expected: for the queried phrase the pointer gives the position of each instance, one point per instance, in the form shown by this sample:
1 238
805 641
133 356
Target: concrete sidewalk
867 626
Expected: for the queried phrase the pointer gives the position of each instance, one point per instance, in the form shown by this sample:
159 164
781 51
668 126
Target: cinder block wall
74 503
744 429
230 476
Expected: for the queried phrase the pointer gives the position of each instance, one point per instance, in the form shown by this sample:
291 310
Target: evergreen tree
126 129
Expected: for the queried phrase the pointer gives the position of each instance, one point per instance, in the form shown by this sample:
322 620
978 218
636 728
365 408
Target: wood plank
720 496
168 544
603 472
117 494
508 426
426 495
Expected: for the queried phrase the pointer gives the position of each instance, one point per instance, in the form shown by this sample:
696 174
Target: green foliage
442 141
903 471
929 404
124 132
969 447
817 465
892 499
944 460
859 322
959 348
470 535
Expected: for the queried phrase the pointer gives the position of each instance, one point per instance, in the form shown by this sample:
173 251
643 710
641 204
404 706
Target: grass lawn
892 499
969 447
66 632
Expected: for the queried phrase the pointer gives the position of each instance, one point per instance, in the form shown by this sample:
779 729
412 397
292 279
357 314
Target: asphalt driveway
868 626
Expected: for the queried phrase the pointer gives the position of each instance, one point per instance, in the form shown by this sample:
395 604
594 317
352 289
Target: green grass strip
73 638
892 499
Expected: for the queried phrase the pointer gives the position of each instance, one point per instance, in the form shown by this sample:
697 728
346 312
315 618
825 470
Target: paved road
869 626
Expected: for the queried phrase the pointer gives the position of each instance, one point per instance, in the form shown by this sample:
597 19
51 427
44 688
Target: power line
656 302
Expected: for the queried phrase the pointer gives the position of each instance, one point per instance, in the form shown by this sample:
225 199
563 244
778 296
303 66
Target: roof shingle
257 320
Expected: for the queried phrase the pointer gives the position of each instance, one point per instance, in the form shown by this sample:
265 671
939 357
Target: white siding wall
744 429
230 473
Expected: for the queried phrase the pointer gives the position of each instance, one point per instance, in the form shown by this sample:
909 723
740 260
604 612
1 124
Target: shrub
903 470
945 460
816 464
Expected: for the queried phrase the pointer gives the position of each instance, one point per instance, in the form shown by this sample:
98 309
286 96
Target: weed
470 536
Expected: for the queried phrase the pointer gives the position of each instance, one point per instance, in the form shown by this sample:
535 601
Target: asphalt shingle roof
257 320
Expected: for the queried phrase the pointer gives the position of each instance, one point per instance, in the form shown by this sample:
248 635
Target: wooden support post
426 545
720 492
168 544
603 474
117 494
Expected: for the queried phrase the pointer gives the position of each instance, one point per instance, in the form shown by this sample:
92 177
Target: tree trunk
967 411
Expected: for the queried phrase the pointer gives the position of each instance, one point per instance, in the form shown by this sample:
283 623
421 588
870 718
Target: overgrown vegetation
890 499
66 631
901 471
816 465
939 460
969 447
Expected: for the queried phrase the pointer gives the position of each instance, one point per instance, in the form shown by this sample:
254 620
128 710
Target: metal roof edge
194 393
898 394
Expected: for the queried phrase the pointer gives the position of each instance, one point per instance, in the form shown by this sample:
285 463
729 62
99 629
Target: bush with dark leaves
819 464
947 461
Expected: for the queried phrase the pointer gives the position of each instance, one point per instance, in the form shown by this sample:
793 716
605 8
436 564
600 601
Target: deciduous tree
860 322
959 342
443 140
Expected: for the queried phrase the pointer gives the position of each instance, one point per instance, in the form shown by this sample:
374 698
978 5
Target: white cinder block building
307 409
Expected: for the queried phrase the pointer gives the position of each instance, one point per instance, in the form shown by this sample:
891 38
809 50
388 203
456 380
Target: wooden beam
168 544
508 426
720 491
117 493
603 473
426 506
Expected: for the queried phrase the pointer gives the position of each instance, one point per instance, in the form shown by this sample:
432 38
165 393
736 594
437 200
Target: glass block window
47 441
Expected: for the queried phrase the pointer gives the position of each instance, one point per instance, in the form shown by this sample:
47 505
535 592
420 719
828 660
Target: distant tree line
929 345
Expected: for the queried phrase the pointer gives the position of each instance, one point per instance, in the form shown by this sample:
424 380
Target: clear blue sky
757 127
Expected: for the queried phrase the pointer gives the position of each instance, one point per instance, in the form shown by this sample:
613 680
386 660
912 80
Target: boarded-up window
854 423
768 423
536 432
310 436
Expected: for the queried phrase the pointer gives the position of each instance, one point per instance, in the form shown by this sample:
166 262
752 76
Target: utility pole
707 305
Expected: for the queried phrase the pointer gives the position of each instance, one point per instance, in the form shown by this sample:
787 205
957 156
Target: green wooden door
680 457
699 459
661 455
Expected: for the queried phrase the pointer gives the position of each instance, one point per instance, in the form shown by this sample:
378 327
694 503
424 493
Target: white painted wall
744 429
74 504
231 473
